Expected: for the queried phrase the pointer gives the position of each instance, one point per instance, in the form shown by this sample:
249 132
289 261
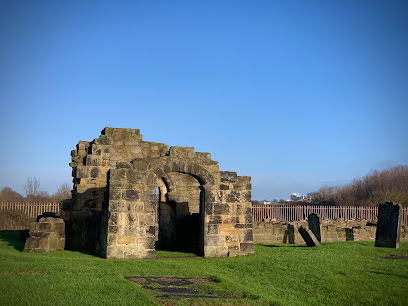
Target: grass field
343 273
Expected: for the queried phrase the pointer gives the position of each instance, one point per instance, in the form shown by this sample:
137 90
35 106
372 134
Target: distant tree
9 195
63 193
33 192
32 187
373 189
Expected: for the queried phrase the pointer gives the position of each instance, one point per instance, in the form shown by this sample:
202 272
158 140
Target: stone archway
183 215
120 171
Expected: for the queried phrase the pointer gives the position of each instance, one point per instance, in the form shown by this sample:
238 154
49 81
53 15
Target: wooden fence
17 216
300 212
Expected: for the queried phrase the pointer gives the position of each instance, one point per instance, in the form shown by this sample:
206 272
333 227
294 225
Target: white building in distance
297 197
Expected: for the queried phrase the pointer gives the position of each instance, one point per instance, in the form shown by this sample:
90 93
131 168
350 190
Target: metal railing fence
259 213
300 212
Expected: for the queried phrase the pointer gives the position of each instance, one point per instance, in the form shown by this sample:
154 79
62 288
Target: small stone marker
388 225
308 237
315 225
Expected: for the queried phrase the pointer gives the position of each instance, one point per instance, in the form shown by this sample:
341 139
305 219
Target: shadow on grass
389 274
284 245
16 239
174 254
363 243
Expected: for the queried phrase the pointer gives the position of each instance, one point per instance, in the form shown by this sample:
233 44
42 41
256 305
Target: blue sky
295 94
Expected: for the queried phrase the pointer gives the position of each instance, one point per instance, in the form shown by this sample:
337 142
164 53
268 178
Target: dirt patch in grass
176 288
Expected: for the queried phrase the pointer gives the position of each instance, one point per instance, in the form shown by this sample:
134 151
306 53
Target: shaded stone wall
115 210
332 231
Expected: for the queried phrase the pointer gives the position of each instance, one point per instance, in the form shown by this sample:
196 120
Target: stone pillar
131 225
388 225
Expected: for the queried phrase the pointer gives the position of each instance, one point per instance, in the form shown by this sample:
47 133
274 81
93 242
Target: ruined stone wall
92 160
90 164
331 230
114 210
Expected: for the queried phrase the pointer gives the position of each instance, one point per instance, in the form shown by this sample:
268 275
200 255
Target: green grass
343 273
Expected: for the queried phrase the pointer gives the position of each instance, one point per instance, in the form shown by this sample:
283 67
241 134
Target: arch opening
180 213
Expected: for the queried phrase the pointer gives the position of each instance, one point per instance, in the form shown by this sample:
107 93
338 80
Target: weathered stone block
182 152
331 228
233 196
94 172
215 220
212 229
123 165
248 236
221 209
227 176
82 171
131 195
224 187
226 229
215 251
126 240
214 240
113 229
114 251
247 247
117 175
203 155
44 226
308 237
248 219
46 235
134 177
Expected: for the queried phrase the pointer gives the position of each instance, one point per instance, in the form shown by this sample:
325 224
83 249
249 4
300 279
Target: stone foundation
332 231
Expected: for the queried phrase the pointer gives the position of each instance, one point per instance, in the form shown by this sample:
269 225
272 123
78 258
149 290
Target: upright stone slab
388 225
315 225
308 237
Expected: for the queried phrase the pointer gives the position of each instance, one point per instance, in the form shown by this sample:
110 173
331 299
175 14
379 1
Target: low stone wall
331 230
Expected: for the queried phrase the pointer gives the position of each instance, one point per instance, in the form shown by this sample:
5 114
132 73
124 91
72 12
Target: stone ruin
46 235
132 196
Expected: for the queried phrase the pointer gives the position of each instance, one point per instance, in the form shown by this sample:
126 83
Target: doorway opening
180 214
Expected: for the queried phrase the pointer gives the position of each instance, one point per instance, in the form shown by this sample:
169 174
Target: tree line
390 185
34 194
